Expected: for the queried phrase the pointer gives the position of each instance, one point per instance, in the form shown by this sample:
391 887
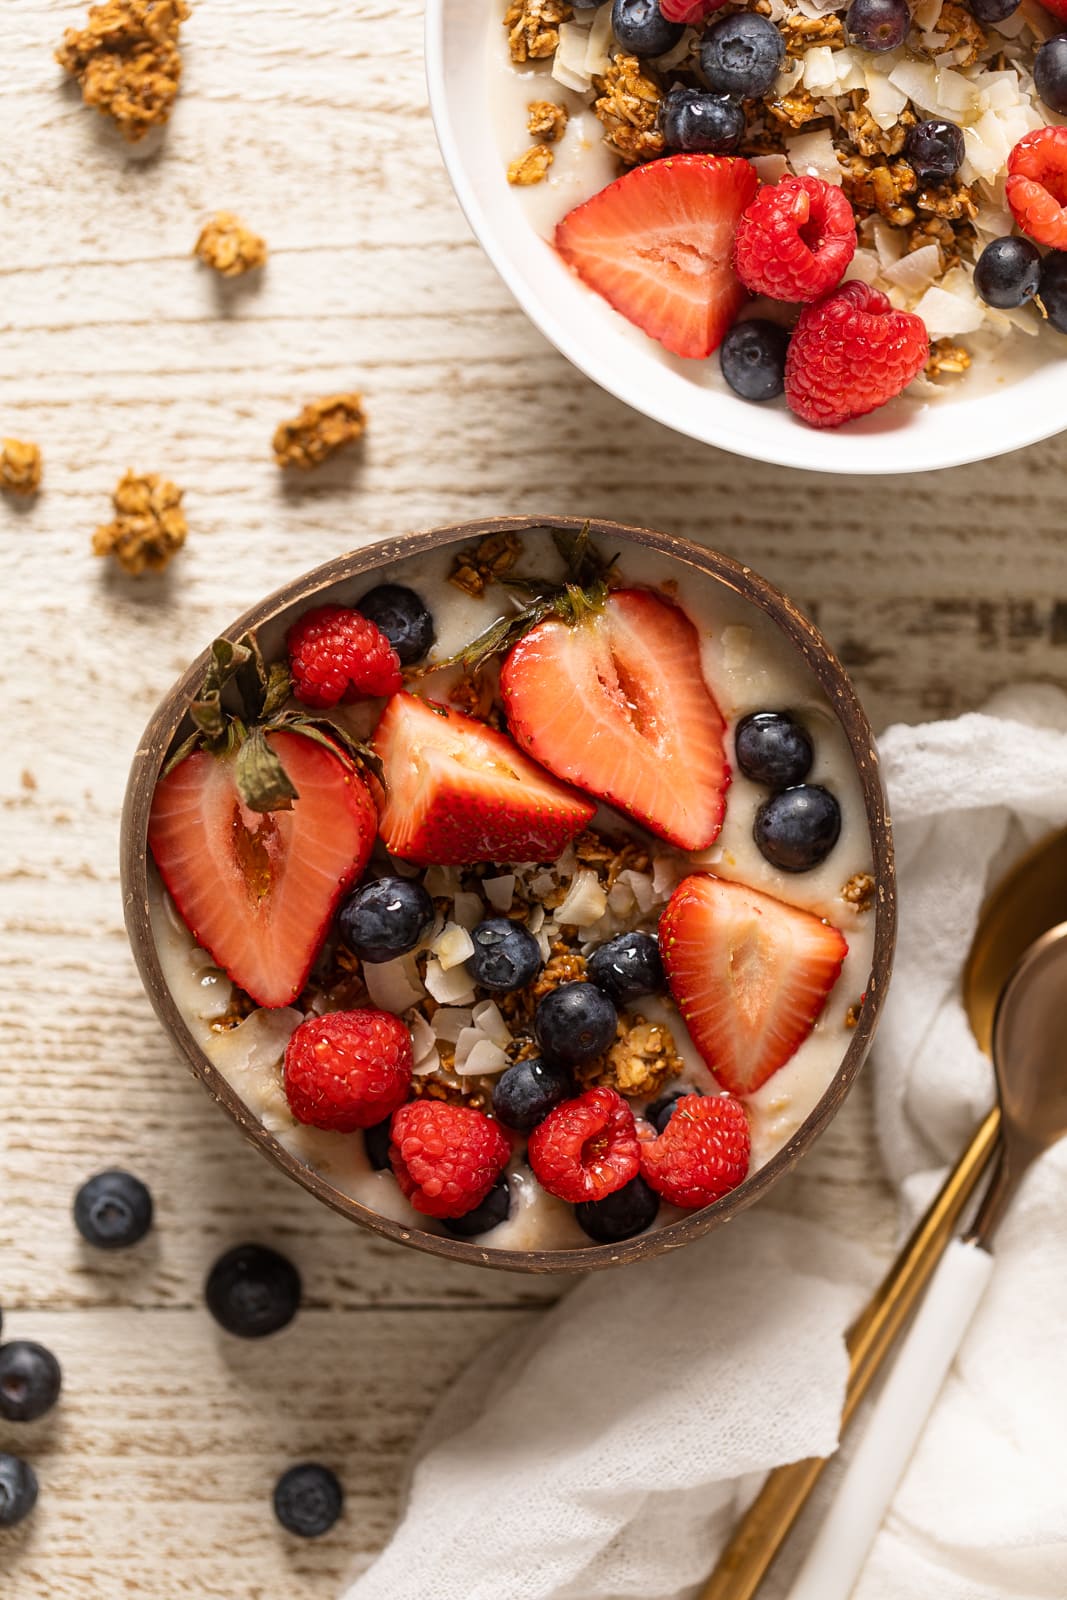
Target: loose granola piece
858 892
955 204
795 109
149 525
947 360
936 230
962 29
321 429
864 134
804 33
564 965
229 247
594 850
472 694
533 28
20 467
546 120
874 184
531 166
628 107
127 61
639 1062
241 1006
852 1015
493 557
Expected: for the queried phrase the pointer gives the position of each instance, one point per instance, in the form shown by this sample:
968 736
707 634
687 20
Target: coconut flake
666 873
542 883
948 315
568 64
813 155
452 946
768 170
598 46
820 74
915 272
484 1058
864 268
453 987
424 1051
536 920
486 1016
586 901
449 1021
441 882
543 944
500 891
467 909
393 985
621 900
736 647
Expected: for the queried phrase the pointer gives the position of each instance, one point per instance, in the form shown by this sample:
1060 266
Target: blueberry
741 55
627 967
376 1142
935 150
524 1094
252 1291
18 1490
752 358
772 748
1050 73
494 1209
506 955
386 918
619 1216
574 1023
660 1112
30 1380
640 27
308 1500
1008 272
878 24
1054 288
402 617
693 120
993 10
113 1210
798 828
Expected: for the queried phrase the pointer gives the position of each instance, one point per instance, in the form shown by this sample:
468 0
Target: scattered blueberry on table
30 1380
18 1490
252 1291
113 1210
308 1499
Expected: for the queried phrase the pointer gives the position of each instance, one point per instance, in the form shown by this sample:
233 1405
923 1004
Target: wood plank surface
116 350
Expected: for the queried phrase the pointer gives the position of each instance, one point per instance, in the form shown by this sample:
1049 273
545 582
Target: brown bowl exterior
159 737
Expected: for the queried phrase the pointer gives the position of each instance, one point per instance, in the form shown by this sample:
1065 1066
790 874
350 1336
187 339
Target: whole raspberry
337 655
1036 186
795 239
586 1148
348 1069
691 12
446 1158
850 353
702 1152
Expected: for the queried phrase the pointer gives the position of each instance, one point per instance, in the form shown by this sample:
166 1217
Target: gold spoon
1030 900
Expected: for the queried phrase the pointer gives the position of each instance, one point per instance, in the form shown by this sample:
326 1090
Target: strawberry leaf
262 781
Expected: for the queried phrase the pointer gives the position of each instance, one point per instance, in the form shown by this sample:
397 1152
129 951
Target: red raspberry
1057 7
795 239
701 1154
850 353
348 1069
337 655
691 12
586 1148
446 1158
1037 185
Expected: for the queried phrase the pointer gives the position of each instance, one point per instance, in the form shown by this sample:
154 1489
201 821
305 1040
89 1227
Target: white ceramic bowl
901 437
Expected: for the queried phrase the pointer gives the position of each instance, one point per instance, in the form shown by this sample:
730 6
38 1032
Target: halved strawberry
749 974
617 704
456 791
658 245
258 889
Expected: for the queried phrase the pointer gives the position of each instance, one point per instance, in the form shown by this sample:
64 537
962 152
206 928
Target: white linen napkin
605 1450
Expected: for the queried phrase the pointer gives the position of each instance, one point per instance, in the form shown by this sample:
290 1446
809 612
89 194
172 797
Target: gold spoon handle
762 1530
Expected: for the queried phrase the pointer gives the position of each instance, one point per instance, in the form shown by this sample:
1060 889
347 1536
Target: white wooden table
310 118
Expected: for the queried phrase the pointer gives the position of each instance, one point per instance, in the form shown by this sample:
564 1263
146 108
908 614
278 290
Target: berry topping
113 1210
1050 73
619 1216
376 1142
494 1209
1037 186
574 1023
878 25
935 150
617 704
694 120
586 1148
258 888
660 1112
658 245
402 617
749 974
752 358
524 1094
850 353
691 12
446 1157
456 791
640 27
702 1153
252 1291
385 919
348 1069
772 748
506 955
339 655
1008 272
308 1499
626 967
1054 289
741 55
795 239
30 1381
796 829
993 11
18 1490
1058 8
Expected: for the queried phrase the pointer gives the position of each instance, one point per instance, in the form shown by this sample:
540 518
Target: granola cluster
127 61
533 28
149 526
638 1064
322 428
627 104
20 467
858 892
228 247
545 119
531 166
492 558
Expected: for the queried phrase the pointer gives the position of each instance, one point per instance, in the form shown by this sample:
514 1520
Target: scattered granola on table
322 428
229 247
20 467
127 61
149 526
